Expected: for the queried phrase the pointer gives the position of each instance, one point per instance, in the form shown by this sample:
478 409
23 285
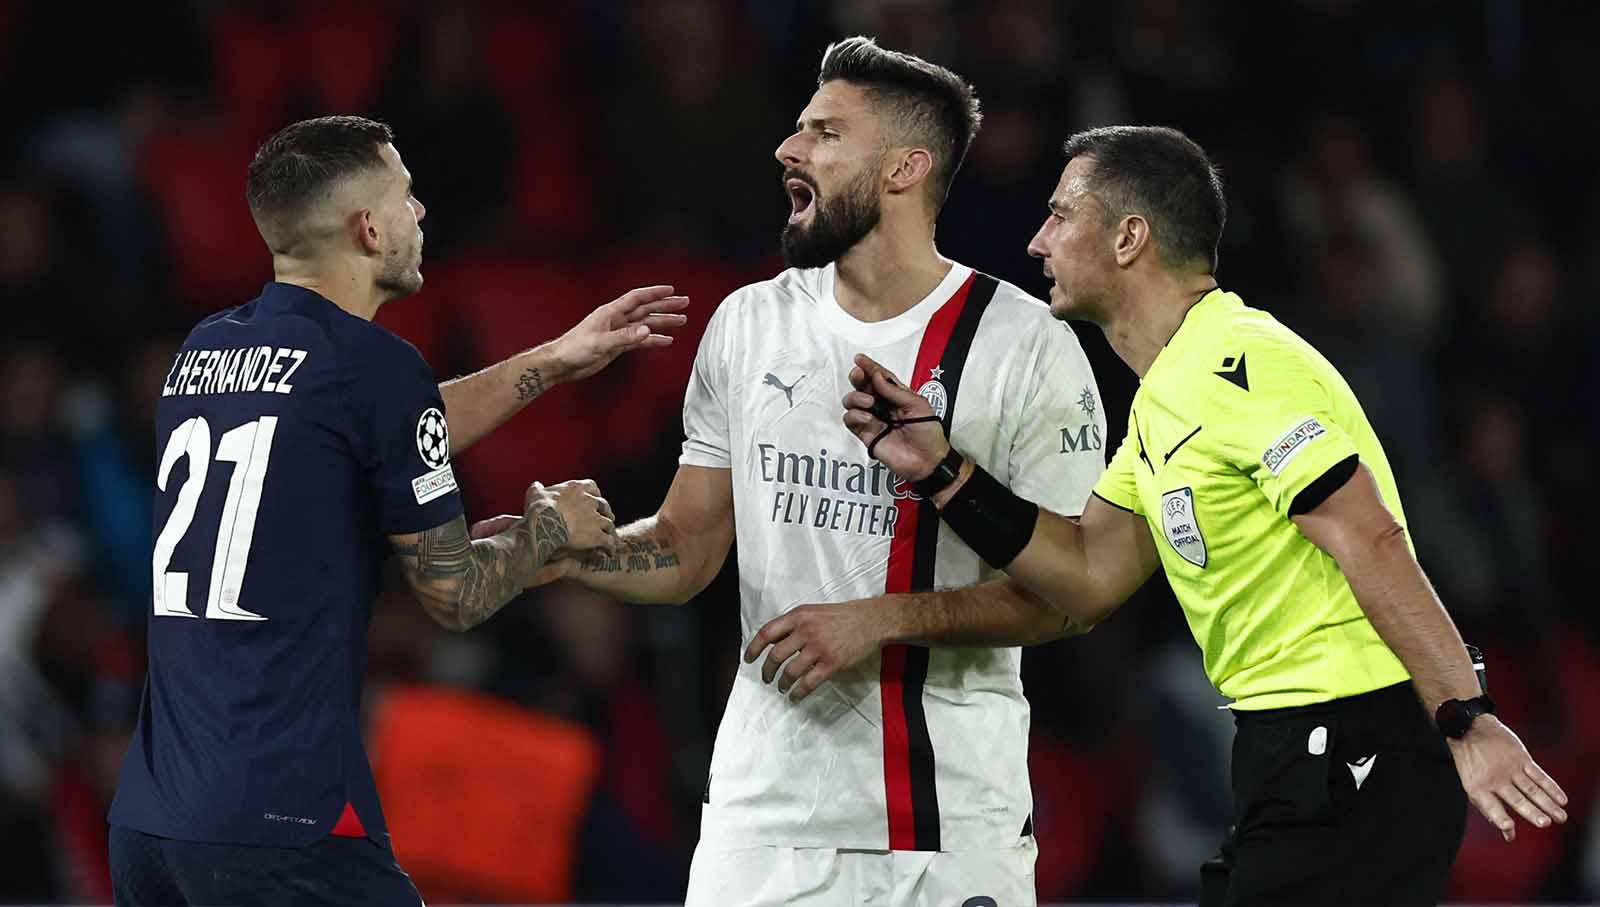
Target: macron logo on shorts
1284 449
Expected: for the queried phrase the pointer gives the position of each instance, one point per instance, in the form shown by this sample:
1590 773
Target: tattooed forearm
529 385
635 556
549 535
439 553
465 582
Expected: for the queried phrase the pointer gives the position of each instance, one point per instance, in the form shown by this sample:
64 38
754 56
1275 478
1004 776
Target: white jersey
917 749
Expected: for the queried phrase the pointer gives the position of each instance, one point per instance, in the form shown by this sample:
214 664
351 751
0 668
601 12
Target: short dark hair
300 162
931 103
1162 174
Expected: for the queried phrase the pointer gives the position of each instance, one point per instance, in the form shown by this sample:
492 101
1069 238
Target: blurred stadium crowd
1411 187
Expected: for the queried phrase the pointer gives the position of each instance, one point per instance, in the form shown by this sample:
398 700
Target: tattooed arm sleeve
462 582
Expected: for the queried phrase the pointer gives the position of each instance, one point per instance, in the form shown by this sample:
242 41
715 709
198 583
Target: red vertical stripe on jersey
902 558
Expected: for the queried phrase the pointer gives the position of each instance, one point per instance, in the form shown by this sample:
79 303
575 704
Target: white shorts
822 877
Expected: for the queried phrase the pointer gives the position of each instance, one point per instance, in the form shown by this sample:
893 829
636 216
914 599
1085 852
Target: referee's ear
1130 238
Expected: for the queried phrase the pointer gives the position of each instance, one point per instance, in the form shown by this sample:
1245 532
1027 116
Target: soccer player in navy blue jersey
299 446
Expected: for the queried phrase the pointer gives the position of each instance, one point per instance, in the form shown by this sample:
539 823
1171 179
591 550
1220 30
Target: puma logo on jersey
788 389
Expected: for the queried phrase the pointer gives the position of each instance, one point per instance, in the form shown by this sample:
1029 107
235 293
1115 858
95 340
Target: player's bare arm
462 580
1084 569
639 319
810 644
1355 528
669 557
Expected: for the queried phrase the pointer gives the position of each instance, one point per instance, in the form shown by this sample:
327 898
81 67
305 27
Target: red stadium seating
552 195
253 70
195 172
645 392
345 52
501 307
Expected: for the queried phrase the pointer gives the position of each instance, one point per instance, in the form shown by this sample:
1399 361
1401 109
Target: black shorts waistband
1397 701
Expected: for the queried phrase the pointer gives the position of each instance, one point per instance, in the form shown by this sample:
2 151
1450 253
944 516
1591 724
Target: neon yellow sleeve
1295 421
1118 483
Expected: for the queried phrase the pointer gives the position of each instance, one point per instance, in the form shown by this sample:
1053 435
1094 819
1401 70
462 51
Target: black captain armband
988 517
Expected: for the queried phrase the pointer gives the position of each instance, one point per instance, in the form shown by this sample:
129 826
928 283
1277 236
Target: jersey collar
890 330
1188 329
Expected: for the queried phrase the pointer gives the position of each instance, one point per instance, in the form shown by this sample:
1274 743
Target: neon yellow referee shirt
1236 418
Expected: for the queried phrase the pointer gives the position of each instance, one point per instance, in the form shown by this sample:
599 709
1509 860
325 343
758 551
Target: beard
835 228
402 274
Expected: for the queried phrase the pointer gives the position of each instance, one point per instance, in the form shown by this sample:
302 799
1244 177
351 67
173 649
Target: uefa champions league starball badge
433 438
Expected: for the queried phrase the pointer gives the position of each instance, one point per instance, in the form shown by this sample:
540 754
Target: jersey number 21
247 446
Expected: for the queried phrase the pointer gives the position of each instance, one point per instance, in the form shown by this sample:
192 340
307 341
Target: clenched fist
569 517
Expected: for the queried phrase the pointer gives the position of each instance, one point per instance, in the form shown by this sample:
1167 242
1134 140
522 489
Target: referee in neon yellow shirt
1250 475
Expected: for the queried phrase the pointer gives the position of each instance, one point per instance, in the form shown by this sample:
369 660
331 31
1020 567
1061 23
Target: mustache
790 173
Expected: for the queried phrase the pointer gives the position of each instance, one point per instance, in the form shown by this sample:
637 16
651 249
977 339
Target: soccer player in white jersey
886 761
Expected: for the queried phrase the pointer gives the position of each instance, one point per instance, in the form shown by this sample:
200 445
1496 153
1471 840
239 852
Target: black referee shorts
1351 802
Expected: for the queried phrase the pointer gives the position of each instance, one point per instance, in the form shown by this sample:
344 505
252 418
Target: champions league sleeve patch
433 444
1284 449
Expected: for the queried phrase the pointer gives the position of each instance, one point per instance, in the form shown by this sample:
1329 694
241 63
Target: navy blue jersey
291 437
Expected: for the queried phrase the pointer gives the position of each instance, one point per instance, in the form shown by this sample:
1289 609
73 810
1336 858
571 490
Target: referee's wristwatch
1454 717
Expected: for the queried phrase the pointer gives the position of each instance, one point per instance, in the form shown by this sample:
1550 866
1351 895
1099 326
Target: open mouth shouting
802 198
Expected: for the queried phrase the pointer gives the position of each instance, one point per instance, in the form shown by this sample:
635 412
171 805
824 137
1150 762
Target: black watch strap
1454 717
948 470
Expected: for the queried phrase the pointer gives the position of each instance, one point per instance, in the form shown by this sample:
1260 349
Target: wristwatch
1455 716
948 470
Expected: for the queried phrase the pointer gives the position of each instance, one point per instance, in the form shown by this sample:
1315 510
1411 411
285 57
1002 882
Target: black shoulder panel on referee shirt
1326 484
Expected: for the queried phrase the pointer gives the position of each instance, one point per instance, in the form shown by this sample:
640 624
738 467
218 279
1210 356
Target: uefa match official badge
934 392
1181 527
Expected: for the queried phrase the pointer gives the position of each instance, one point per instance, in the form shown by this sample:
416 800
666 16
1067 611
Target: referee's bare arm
1076 569
667 558
1355 528
1085 569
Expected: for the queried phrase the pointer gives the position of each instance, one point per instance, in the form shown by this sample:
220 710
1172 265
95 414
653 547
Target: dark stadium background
1412 186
